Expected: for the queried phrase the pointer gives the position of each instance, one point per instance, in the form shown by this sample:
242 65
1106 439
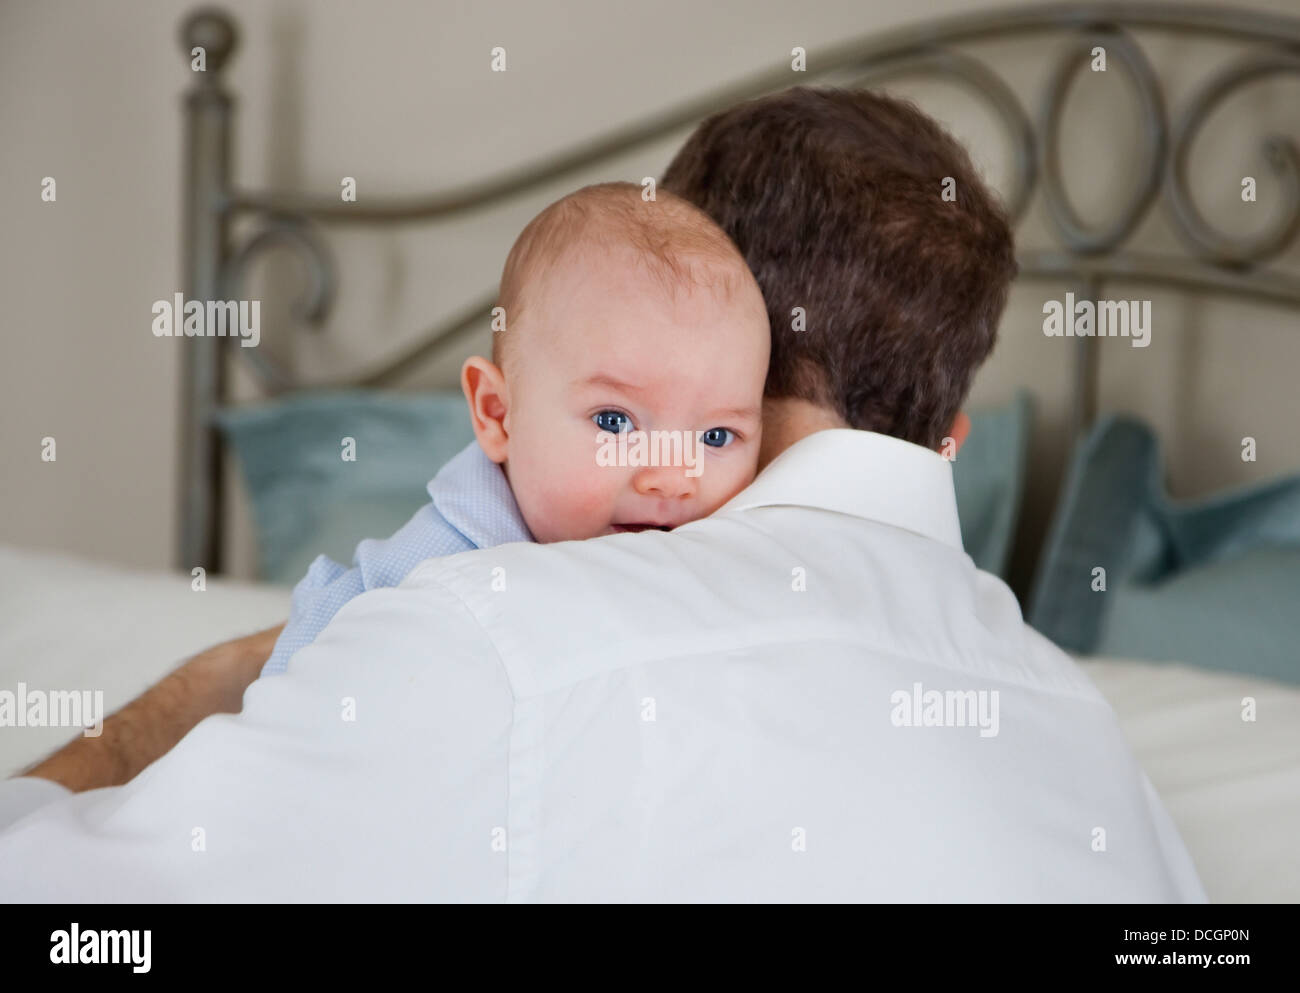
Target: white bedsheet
1232 786
69 624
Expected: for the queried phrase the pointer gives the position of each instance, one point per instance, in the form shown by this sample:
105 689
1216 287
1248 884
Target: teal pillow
1239 615
307 499
1204 582
989 478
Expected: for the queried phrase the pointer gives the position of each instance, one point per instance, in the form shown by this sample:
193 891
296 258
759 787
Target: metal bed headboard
1087 257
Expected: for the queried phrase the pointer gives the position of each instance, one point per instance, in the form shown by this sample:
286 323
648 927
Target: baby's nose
664 482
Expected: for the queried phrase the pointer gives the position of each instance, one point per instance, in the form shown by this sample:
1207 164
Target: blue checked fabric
471 506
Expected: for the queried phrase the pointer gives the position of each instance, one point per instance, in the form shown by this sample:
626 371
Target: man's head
835 198
622 315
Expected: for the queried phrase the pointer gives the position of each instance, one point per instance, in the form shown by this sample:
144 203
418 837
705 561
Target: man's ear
959 431
484 387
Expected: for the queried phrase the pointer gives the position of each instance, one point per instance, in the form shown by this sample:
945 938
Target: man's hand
147 727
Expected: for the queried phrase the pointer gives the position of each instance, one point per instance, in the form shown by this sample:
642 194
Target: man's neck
787 420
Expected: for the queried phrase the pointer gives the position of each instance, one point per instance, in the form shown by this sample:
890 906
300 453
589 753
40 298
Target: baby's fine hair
676 245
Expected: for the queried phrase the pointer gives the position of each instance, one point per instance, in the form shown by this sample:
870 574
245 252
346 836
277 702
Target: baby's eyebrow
602 379
739 413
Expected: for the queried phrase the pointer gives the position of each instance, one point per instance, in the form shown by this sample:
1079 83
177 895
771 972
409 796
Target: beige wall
399 96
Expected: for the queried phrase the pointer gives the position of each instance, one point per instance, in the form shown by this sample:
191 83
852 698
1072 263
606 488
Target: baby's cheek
587 499
727 482
570 499
532 483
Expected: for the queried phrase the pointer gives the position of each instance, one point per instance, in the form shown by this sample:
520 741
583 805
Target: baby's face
615 352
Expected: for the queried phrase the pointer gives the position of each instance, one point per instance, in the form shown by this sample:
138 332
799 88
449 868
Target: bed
1232 784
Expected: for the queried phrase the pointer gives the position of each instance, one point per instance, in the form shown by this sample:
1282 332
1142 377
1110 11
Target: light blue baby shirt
471 506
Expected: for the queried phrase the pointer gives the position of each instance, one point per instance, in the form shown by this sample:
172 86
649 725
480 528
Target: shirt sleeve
339 781
316 599
327 586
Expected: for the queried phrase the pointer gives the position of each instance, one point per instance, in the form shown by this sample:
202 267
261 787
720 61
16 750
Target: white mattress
1232 787
69 624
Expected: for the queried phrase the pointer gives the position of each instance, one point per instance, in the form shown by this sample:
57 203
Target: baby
626 321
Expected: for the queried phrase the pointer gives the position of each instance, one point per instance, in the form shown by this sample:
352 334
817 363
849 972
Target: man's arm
212 682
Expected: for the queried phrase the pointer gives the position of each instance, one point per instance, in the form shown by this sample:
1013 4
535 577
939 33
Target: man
811 695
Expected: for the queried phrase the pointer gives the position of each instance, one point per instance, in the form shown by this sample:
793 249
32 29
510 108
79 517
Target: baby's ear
484 386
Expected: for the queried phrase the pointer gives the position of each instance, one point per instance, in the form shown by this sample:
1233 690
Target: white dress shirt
812 695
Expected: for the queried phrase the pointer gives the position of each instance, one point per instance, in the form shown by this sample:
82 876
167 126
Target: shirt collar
473 495
868 475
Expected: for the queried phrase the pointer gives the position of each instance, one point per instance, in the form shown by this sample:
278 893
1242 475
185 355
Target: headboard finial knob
213 30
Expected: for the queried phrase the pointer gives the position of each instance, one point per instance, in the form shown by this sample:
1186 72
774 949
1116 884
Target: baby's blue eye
717 437
613 421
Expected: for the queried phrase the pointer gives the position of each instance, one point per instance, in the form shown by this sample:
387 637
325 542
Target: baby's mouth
645 526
